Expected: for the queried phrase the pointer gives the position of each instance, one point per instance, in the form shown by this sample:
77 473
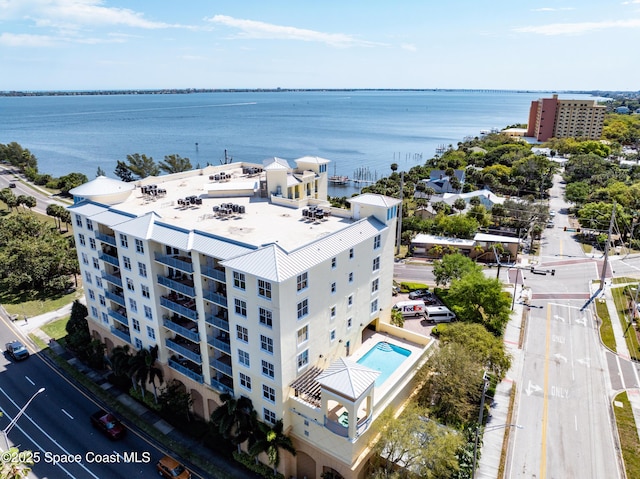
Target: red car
108 424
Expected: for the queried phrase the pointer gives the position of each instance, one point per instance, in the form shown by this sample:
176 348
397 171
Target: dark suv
16 350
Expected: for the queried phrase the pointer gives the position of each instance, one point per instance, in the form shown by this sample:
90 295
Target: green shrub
250 463
407 287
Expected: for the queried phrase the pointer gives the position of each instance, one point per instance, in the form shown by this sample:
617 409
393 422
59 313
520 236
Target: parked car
169 468
420 294
12 185
108 424
16 350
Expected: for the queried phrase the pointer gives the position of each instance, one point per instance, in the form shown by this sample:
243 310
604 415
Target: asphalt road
56 425
42 200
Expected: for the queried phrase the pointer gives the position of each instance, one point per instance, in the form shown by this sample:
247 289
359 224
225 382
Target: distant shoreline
178 91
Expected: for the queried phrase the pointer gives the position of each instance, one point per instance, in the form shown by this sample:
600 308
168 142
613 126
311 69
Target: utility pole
399 237
605 263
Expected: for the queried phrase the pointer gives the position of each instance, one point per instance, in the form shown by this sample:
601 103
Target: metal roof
347 378
375 200
101 186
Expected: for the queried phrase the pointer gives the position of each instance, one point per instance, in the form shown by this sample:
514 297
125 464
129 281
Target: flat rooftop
260 223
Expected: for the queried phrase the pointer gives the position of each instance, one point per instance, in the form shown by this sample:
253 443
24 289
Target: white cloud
552 9
577 28
260 30
631 2
409 47
25 40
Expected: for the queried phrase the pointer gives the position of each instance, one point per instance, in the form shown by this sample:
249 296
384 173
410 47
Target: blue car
16 350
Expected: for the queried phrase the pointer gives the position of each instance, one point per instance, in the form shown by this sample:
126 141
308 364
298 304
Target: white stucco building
251 283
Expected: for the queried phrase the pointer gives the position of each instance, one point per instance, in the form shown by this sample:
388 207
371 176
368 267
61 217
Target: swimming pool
384 357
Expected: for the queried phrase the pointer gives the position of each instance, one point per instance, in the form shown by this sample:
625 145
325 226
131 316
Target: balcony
214 297
185 309
109 239
107 258
222 366
214 273
186 371
184 350
183 263
217 321
120 316
221 343
121 334
222 386
183 286
112 279
188 329
115 297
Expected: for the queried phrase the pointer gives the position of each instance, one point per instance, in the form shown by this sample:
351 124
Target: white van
410 308
439 314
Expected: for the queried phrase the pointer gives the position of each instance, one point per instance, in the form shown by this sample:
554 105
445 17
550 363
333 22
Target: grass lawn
628 434
33 307
621 297
56 329
606 330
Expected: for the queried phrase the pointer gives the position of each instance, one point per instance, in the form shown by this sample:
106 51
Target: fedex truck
410 308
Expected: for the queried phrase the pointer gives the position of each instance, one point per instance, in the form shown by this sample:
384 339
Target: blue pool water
384 357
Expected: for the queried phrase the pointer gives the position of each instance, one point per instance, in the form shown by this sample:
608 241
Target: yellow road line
545 404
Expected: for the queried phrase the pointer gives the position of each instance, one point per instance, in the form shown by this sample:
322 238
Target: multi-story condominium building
554 118
250 283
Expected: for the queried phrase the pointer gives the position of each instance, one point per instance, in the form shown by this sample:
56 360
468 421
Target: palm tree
175 164
143 370
235 418
270 441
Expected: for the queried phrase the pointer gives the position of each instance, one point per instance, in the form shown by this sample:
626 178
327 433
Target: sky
553 45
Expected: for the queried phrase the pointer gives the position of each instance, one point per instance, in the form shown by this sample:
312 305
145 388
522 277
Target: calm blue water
384 357
356 130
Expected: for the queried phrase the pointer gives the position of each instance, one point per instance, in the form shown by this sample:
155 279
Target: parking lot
418 325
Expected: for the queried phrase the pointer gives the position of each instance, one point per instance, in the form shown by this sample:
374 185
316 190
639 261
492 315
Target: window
96 263
87 277
376 263
105 318
124 242
151 332
269 416
85 258
90 225
78 220
139 246
376 241
333 288
350 277
94 311
332 313
245 381
303 308
242 333
145 291
98 281
92 243
264 289
92 295
351 253
241 307
142 270
349 323
333 263
266 317
268 393
332 335
374 285
268 369
243 358
147 312
239 280
81 238
302 281
374 306
133 306
303 358
102 299
266 343
126 262
303 334
350 300
130 286
136 324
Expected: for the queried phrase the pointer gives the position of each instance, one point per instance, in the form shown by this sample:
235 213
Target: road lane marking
67 413
29 379
532 388
545 402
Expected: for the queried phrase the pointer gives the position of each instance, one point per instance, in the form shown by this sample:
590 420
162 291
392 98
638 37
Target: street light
6 430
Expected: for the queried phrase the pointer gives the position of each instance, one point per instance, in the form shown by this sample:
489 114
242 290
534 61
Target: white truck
410 308
439 314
